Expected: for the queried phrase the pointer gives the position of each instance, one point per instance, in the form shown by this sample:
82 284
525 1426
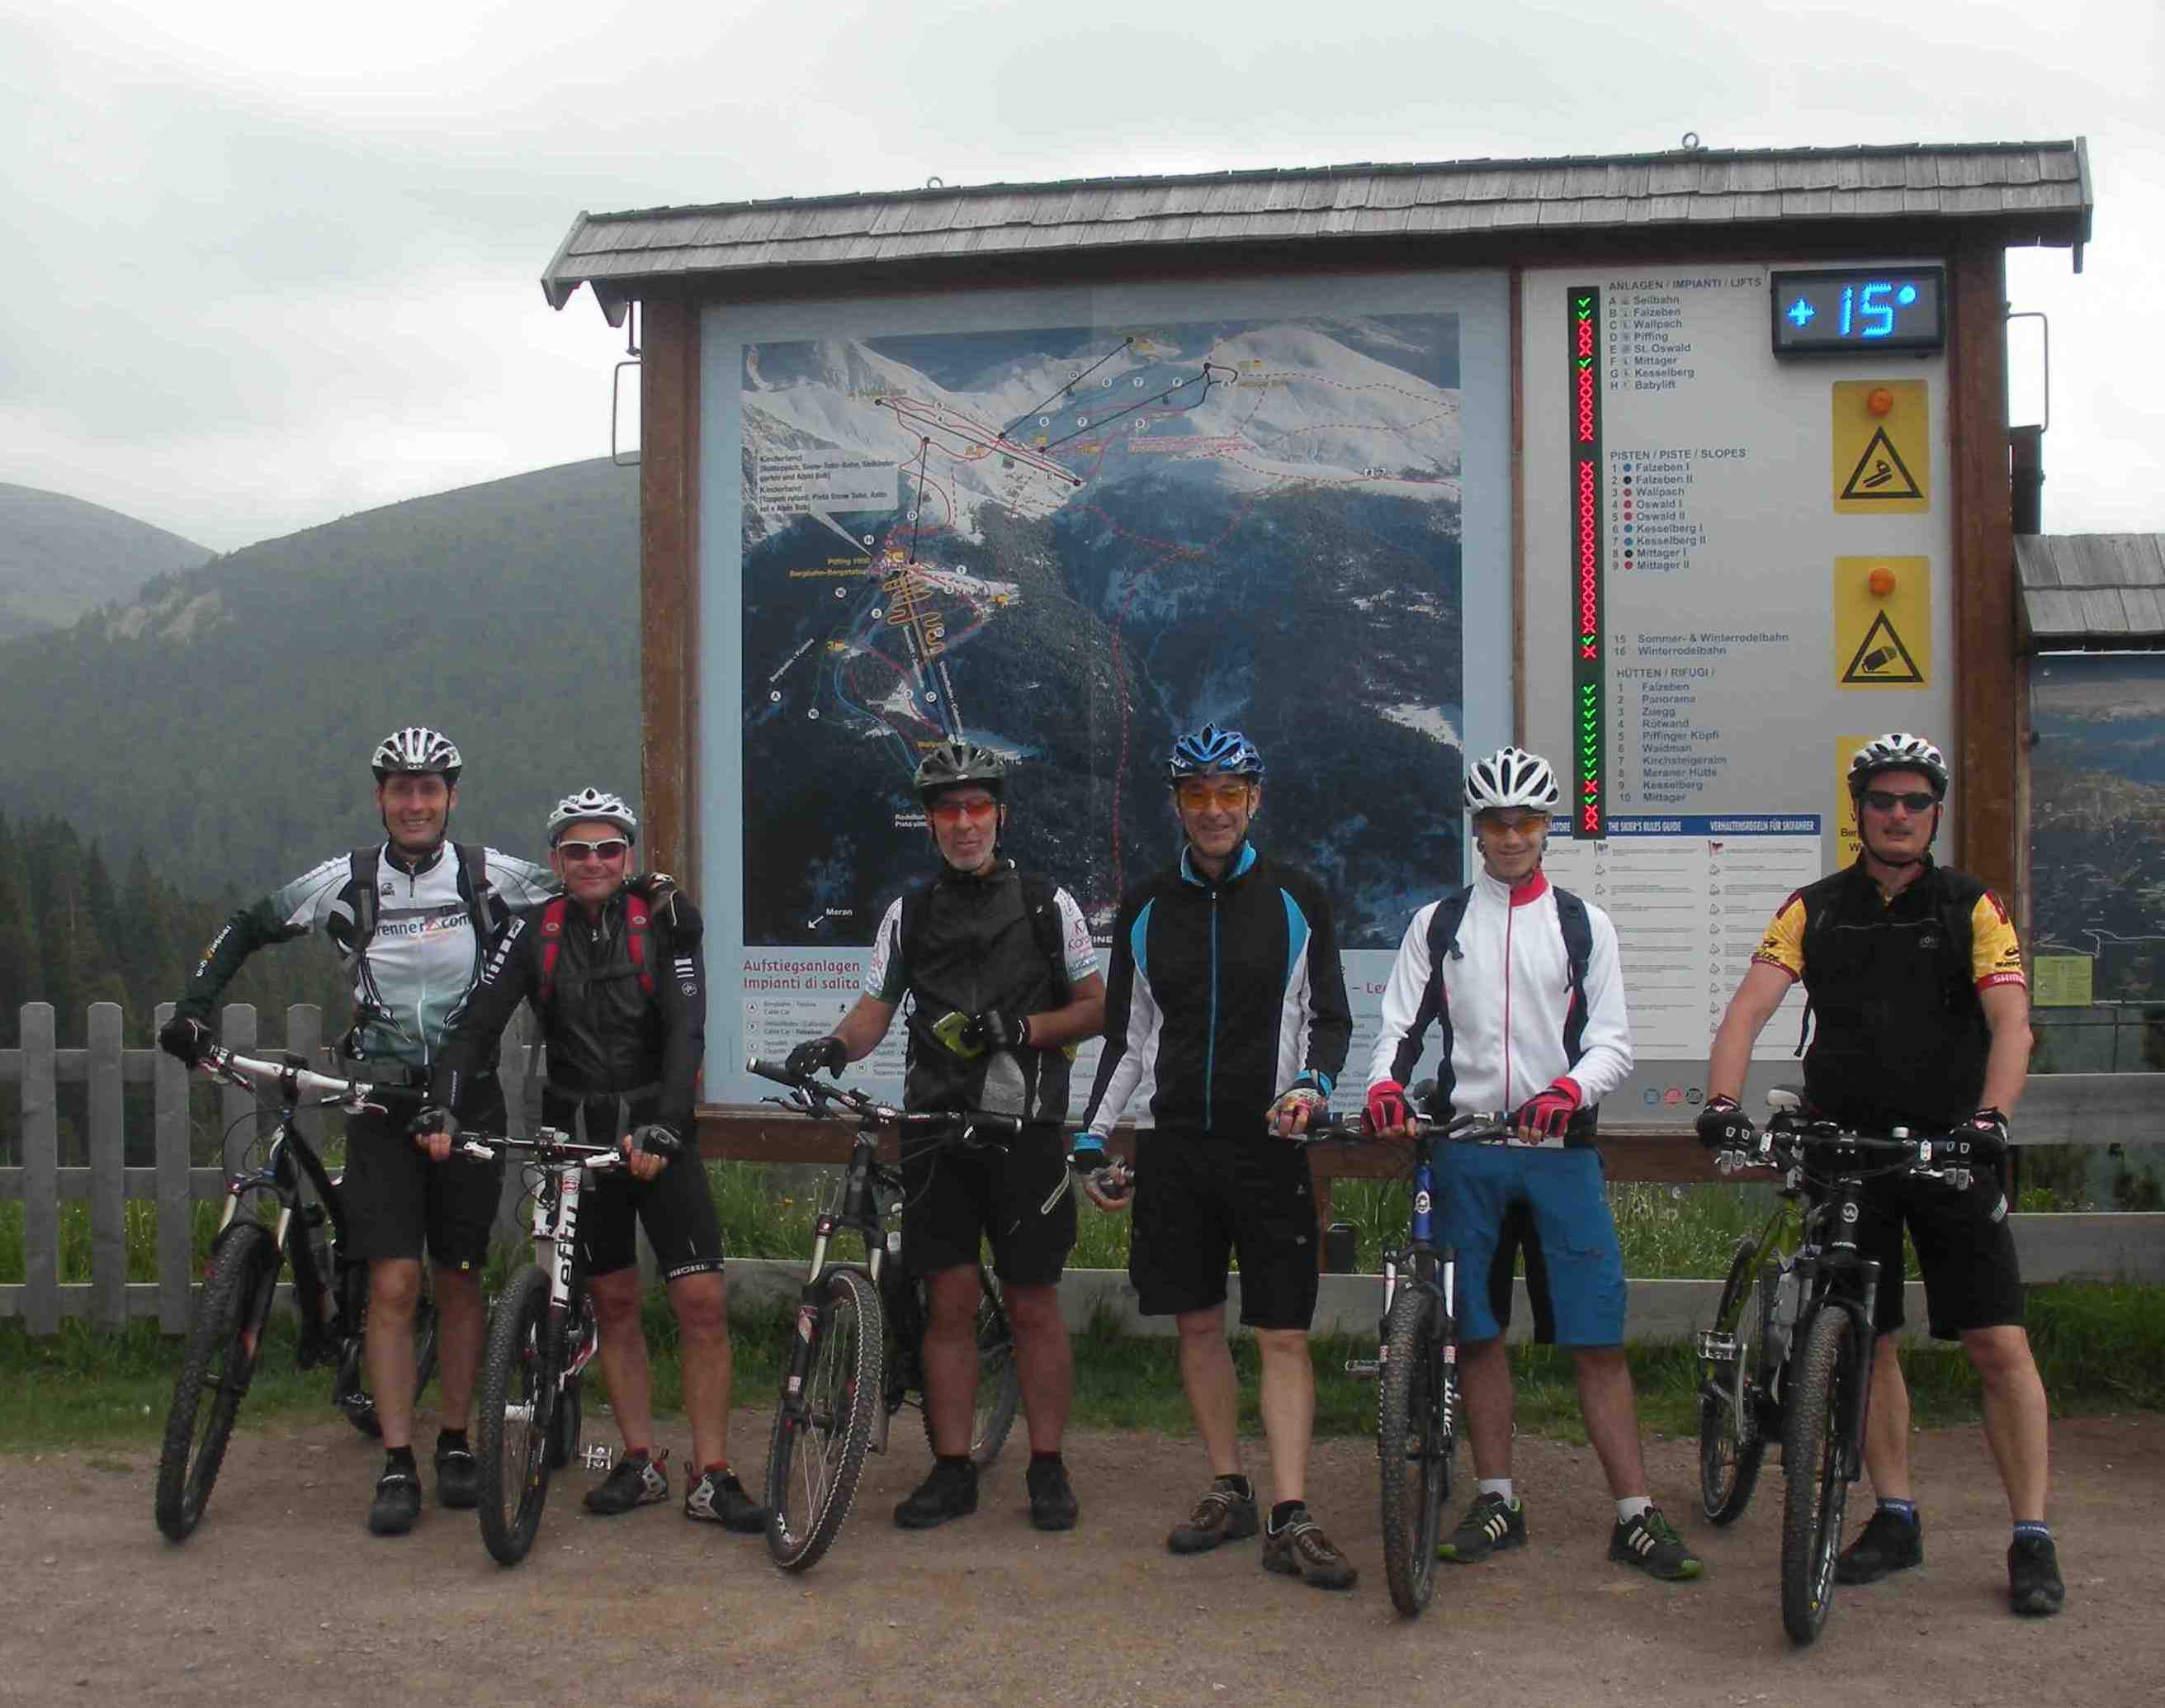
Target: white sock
1498 1485
1632 1506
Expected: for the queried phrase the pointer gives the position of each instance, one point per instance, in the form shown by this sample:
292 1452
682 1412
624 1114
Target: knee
1282 1345
1200 1327
394 1289
701 1307
616 1297
1035 1311
2001 1356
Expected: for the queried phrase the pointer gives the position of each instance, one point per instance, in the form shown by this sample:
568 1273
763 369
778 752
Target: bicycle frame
555 1227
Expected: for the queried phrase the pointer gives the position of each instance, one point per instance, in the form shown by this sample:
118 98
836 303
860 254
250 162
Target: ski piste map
1071 545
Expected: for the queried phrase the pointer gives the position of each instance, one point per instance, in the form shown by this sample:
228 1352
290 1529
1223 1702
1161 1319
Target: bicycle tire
1415 1439
816 1451
223 1343
999 1379
1731 1445
516 1410
1815 1459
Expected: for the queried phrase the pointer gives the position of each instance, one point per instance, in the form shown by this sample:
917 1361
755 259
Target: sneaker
1651 1542
1052 1503
2034 1588
950 1492
1491 1525
1223 1514
398 1504
718 1498
1889 1542
458 1480
1301 1550
638 1480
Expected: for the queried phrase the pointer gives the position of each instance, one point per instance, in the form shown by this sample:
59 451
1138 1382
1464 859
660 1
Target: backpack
1577 948
638 930
1039 905
473 876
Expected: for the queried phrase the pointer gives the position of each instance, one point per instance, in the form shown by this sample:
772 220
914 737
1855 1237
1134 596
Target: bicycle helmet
1898 751
1511 776
1213 749
952 763
592 803
417 748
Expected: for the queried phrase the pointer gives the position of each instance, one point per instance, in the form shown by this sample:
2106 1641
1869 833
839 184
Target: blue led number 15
1873 307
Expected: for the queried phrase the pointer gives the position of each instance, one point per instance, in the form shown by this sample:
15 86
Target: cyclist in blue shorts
1522 981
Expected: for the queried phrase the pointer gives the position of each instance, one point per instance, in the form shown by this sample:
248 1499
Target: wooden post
169 1081
107 1153
41 1178
236 1104
669 583
304 1034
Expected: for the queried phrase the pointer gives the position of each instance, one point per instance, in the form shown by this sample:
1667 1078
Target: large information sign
1731 561
1069 525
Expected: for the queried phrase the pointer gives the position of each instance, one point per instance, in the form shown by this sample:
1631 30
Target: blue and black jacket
1222 993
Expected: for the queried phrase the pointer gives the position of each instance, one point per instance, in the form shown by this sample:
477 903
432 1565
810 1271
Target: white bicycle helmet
1511 776
592 803
417 748
1898 751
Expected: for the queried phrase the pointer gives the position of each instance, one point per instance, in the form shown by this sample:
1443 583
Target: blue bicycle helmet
1213 749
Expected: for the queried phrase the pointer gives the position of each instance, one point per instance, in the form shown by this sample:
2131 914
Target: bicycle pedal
1364 1369
598 1455
1716 1348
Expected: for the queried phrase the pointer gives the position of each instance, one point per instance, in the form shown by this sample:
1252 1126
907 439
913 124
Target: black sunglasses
1885 800
613 848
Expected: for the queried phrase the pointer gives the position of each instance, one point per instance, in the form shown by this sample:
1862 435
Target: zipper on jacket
1210 1045
1509 918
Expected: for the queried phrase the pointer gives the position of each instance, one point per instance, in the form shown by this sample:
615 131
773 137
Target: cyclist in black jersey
614 972
411 920
1001 976
1227 1000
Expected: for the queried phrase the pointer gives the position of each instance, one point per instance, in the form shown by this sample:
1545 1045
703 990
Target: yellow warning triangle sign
1881 657
1880 473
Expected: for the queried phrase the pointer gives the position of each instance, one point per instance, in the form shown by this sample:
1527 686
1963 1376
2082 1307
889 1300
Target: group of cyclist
1226 1029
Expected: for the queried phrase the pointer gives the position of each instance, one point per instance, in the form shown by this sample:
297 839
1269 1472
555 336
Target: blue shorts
1562 1190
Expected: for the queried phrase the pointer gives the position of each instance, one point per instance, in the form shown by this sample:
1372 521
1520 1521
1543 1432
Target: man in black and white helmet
1920 1016
412 917
1522 980
615 974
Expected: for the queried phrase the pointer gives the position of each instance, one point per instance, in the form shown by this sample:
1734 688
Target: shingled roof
2105 591
2039 192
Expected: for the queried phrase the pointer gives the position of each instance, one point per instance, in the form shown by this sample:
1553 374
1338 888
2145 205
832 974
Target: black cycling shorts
396 1200
676 1207
1019 1198
1202 1198
1965 1249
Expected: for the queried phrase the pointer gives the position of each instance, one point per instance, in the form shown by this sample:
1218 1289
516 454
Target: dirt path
281 1592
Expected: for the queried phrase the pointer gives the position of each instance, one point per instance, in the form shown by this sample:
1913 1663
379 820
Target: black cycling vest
605 1033
978 949
1898 1037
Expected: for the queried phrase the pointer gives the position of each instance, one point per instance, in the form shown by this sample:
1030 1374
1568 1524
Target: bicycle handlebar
548 1146
297 1087
817 1097
1474 1127
1785 1139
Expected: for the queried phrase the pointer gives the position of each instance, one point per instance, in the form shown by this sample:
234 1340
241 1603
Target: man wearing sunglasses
1523 981
1001 977
614 972
1226 999
1920 1019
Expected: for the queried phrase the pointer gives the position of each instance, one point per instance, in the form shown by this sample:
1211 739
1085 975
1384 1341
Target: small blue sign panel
1859 310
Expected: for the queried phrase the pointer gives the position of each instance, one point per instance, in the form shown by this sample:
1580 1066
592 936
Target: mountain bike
1807 1381
1416 1363
541 1336
241 1277
856 1354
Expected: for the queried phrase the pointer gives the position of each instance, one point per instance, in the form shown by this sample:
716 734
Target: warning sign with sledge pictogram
1882 657
1882 622
1882 445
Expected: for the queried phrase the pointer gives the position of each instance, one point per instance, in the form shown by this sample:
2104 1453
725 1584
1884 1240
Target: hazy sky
269 264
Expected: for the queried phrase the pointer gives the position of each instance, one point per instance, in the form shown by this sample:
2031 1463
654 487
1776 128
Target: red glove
1387 1105
1548 1113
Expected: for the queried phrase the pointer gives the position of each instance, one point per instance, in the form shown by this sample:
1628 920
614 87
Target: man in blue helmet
1226 998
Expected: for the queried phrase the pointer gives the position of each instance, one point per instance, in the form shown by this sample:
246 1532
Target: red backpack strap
552 940
638 926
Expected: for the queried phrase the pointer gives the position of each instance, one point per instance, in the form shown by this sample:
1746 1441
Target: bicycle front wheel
223 1344
999 1382
832 1391
1815 1459
1730 1446
1415 1433
521 1371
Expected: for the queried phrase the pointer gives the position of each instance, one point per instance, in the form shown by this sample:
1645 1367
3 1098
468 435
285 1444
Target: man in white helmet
614 971
412 917
1920 1019
1522 979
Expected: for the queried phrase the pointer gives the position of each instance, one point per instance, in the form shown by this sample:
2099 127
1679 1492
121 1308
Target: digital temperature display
1860 309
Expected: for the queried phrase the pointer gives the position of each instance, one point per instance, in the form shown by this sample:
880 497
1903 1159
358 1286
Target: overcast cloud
272 264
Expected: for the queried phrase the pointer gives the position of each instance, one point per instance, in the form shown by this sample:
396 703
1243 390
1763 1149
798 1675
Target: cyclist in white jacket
1522 979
